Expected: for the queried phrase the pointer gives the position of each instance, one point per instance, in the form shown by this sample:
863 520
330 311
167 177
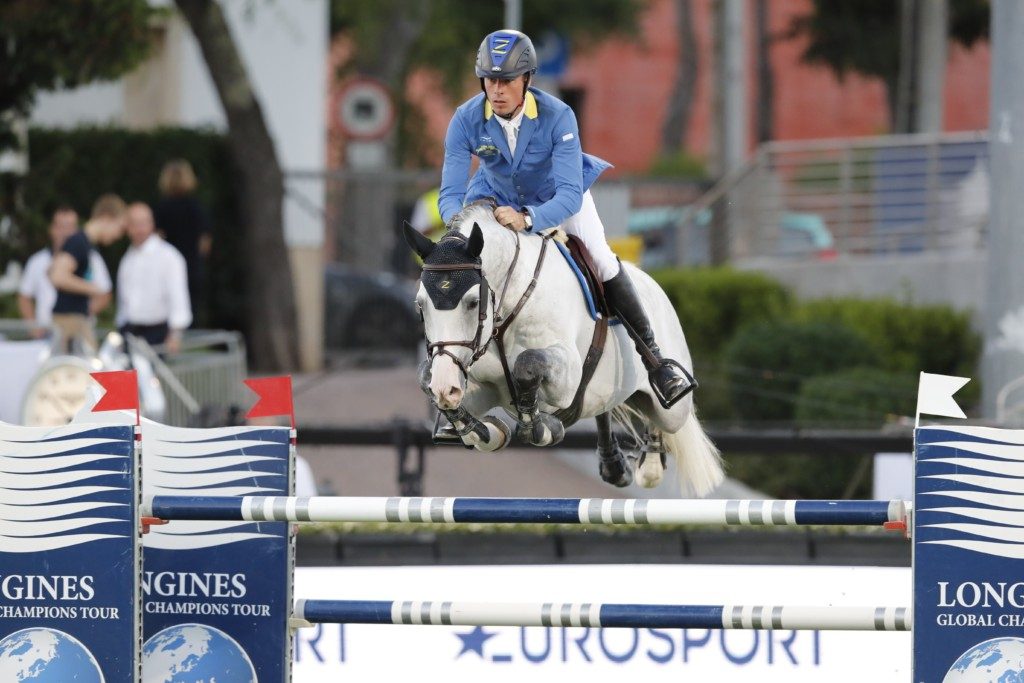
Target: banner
969 554
216 596
360 652
68 554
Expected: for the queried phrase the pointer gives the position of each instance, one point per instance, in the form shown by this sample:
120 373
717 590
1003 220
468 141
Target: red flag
121 390
275 397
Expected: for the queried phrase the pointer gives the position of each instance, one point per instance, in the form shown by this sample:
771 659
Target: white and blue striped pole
599 615
528 510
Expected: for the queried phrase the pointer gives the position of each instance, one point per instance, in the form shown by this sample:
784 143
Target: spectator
36 294
183 222
73 278
152 284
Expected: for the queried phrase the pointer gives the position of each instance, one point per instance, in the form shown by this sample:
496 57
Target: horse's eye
471 305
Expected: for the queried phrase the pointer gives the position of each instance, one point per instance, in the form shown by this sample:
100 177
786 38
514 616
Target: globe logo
993 661
193 653
44 655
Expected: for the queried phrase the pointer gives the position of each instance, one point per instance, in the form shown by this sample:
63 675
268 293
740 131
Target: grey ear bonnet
447 287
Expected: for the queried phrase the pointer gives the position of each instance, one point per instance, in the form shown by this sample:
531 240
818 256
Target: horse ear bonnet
447 287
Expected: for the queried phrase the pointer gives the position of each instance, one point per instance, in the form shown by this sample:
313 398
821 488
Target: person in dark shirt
183 222
71 277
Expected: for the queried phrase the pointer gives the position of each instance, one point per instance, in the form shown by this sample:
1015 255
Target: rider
531 162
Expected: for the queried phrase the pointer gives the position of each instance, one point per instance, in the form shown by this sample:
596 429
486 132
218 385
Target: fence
875 195
203 382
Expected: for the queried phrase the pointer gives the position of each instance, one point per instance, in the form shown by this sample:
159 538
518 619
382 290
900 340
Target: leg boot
669 379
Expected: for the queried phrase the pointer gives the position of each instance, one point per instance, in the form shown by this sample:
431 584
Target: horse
508 327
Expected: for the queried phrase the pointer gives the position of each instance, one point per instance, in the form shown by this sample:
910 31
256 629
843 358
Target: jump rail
527 510
604 615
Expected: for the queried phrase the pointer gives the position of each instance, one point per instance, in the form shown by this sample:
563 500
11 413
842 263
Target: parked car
801 235
369 312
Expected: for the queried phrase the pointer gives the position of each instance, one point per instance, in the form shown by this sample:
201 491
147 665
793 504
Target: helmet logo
500 46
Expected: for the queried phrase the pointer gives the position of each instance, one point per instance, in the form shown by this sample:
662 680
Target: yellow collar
529 107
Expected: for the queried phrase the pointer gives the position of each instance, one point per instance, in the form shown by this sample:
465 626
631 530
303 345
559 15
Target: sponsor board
68 549
215 595
969 555
330 652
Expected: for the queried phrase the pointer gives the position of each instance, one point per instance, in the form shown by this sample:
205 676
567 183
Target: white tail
698 462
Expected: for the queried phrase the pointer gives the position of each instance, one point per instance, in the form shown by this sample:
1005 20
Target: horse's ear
418 242
476 242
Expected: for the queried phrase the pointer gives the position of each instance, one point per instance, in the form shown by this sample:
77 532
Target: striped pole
596 615
528 510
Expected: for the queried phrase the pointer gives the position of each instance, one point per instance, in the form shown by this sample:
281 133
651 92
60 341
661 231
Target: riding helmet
506 54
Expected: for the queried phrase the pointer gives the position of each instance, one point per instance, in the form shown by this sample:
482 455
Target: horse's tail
698 462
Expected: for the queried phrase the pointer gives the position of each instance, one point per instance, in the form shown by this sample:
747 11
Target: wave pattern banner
68 540
968 550
216 592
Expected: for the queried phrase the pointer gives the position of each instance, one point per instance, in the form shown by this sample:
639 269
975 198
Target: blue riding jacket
548 174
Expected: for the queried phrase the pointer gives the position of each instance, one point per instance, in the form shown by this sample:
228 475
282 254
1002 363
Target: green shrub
820 476
866 396
714 303
907 338
679 165
76 166
769 362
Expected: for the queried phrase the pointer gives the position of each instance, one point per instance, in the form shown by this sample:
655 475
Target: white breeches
587 226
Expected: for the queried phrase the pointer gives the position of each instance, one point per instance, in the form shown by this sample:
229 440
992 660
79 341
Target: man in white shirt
36 294
152 284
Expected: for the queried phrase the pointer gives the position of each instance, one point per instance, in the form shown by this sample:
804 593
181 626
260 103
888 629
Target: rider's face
505 95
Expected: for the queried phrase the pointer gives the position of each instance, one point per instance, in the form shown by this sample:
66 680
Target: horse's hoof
616 471
650 470
542 430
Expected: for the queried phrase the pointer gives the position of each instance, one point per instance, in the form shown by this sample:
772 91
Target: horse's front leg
486 433
553 370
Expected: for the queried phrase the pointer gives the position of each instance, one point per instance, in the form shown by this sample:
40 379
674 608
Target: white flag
935 395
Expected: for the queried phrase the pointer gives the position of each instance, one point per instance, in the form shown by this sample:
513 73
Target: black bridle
477 345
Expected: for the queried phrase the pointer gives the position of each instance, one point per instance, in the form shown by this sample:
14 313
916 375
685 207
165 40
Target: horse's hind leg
533 367
614 467
650 468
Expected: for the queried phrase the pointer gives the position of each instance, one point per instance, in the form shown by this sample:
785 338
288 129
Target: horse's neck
498 255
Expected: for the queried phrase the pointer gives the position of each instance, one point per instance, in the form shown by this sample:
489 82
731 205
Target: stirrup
444 431
677 395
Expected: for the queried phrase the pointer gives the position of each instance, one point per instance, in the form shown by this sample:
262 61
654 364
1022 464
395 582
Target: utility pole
1003 358
514 14
731 116
933 32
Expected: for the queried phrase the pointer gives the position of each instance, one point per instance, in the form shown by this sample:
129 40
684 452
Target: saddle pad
588 295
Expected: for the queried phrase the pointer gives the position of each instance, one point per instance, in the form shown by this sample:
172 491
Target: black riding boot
669 379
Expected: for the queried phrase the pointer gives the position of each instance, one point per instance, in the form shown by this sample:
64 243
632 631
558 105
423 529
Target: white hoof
650 473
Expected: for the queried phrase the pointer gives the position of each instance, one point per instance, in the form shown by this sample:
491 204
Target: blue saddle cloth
588 295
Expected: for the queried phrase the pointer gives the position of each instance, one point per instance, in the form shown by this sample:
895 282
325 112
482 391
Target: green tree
863 36
51 45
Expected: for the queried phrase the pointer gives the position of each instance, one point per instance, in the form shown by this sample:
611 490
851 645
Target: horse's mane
480 211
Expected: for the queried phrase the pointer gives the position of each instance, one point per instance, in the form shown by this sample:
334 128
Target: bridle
478 345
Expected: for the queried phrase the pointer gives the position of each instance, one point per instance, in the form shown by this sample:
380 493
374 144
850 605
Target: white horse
482 277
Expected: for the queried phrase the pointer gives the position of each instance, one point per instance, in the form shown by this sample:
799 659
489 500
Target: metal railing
203 382
873 195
